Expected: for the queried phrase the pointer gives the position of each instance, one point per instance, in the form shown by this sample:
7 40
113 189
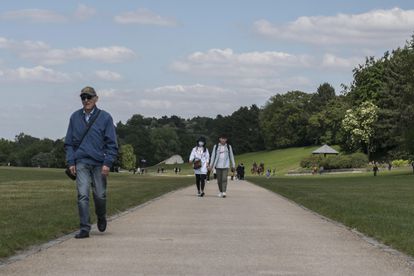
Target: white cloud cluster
82 12
34 15
182 100
107 75
42 53
333 61
370 28
144 17
34 74
227 63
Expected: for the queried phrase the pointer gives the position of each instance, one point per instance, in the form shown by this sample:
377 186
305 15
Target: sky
182 57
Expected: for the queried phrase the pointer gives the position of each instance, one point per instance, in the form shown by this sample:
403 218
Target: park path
251 232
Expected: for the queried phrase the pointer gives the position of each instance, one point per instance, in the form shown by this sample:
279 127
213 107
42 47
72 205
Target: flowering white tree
359 123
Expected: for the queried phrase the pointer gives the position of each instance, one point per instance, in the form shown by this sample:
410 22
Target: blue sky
185 58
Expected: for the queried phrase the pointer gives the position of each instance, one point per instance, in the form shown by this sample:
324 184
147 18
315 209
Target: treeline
28 151
373 115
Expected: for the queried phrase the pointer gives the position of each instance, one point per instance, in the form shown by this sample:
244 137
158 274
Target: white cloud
370 28
34 15
36 74
182 100
108 75
332 61
227 63
144 17
84 12
42 53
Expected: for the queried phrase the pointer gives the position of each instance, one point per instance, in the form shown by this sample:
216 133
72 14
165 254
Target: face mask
201 144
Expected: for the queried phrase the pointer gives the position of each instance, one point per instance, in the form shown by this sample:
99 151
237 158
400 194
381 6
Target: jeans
222 179
90 175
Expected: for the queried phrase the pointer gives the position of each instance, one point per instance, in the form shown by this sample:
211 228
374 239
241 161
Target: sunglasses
85 97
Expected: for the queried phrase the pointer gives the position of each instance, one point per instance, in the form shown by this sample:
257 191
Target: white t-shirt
200 154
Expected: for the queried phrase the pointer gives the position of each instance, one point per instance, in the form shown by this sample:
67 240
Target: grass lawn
282 160
37 205
381 207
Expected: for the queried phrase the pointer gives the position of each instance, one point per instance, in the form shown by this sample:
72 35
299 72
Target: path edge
34 249
372 241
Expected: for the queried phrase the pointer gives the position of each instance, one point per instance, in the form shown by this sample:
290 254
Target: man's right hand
73 169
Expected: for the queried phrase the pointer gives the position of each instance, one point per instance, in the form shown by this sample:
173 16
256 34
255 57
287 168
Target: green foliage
400 163
284 120
359 124
341 161
127 157
43 160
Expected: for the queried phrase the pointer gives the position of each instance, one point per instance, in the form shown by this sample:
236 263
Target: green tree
128 158
359 124
165 143
284 120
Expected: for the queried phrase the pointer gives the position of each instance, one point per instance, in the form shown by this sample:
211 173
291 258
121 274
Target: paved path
252 232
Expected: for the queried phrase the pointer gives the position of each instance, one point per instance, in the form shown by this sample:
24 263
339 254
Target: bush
400 163
311 161
342 161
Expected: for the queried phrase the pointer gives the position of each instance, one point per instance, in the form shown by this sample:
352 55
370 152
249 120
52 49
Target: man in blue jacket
91 159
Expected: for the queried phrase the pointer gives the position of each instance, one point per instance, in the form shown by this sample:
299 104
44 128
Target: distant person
242 171
91 159
321 170
389 166
200 157
222 158
375 169
268 173
238 171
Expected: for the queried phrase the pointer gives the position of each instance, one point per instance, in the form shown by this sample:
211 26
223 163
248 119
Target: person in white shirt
221 158
200 157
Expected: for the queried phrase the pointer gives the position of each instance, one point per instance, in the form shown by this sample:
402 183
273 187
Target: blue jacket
99 147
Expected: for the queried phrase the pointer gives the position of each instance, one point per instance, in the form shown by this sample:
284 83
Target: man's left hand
105 170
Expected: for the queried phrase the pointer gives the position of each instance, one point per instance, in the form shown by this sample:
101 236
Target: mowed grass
37 205
381 207
282 160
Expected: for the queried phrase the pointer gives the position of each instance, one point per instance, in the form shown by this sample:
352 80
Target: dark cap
88 91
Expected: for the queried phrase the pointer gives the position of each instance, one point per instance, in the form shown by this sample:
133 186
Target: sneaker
202 194
224 194
198 194
220 195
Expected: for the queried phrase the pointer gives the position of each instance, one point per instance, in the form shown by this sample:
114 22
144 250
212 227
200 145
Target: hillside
282 160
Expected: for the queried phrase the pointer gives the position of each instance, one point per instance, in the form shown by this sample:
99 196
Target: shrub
342 161
311 161
400 163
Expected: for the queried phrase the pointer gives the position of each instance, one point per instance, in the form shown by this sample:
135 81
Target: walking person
200 157
375 169
91 148
221 159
